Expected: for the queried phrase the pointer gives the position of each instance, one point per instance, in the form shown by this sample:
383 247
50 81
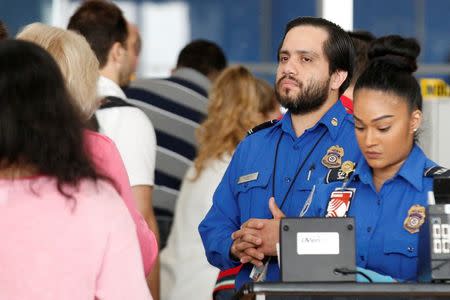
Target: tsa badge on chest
333 158
339 202
415 218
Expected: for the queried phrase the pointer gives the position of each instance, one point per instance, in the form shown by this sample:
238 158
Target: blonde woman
234 108
79 67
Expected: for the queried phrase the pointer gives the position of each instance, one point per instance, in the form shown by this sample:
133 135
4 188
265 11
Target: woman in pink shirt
79 67
65 233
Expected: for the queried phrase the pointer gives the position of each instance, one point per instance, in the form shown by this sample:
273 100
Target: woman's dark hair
338 48
392 60
39 126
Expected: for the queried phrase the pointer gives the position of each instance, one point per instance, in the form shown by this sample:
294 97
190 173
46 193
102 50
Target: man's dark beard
308 100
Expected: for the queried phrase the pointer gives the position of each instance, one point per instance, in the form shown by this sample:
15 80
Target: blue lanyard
298 170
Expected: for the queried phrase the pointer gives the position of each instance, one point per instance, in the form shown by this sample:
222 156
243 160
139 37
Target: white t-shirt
185 272
131 131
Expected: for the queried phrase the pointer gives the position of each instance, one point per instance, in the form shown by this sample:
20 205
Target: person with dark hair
279 162
198 65
388 191
62 221
3 31
361 41
204 56
106 30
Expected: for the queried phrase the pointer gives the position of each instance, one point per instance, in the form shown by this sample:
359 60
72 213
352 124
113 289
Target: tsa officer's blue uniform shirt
387 222
246 187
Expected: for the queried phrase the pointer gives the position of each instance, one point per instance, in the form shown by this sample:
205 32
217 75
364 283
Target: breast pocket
253 195
301 191
401 256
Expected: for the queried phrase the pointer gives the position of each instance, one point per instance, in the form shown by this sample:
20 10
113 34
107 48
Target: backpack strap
111 101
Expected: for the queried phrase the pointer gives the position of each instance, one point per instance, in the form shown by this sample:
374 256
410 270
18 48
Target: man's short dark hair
361 41
203 56
338 48
102 24
3 31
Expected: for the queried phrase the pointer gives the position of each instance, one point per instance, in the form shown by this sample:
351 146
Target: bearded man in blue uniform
280 162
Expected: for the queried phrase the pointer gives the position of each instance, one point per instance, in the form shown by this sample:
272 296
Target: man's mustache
290 77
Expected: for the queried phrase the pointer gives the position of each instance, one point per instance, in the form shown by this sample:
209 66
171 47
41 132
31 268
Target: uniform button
296 147
410 249
369 229
287 179
362 258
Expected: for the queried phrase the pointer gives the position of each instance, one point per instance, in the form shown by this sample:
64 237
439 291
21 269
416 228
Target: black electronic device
314 249
434 239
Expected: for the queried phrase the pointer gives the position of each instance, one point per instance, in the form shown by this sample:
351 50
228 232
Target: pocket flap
251 179
405 246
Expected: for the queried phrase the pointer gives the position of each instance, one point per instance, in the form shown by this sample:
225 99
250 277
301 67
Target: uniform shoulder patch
436 171
262 126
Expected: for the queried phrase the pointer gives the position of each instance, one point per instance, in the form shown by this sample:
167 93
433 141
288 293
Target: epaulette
262 126
436 171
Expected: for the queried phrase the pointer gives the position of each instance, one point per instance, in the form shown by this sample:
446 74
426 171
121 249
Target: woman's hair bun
396 51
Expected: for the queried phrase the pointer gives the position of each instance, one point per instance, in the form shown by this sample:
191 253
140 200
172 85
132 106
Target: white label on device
317 243
447 208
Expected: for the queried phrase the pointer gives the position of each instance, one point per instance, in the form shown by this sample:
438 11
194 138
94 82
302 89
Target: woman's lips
372 154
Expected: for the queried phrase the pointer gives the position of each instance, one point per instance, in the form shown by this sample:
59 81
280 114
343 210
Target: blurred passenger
268 102
391 182
135 45
3 31
66 234
181 99
105 28
79 67
198 65
361 41
234 108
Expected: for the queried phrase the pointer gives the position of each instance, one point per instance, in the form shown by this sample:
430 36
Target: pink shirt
56 248
107 159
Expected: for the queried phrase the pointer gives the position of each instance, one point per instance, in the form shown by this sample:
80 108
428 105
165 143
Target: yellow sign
433 88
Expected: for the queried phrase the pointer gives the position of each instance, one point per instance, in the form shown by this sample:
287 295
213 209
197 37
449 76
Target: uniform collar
106 87
411 170
332 119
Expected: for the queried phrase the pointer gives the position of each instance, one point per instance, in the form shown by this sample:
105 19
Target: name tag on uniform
248 177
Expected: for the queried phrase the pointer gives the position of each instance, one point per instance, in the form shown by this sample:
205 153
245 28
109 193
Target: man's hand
246 240
258 237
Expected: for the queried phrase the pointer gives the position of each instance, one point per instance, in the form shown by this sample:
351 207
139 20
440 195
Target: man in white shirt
112 39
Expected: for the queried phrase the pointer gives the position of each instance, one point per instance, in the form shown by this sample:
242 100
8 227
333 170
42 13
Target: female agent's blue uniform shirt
388 222
246 187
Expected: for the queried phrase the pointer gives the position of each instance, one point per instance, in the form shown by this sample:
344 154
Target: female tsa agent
387 193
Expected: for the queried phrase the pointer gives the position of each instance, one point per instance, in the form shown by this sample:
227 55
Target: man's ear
116 52
337 78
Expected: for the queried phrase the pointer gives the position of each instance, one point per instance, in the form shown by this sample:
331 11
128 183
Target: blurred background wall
250 31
